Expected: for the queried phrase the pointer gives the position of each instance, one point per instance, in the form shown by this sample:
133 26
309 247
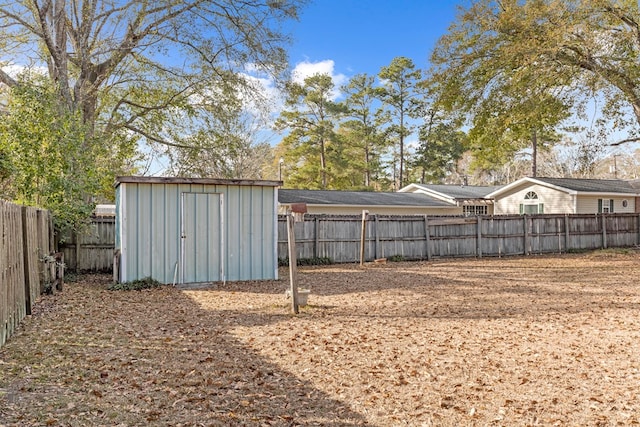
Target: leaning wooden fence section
426 237
27 264
92 250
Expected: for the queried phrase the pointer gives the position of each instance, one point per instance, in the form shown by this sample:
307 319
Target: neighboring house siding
589 204
554 201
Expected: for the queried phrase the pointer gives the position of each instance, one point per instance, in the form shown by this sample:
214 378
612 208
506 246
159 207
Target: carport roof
357 198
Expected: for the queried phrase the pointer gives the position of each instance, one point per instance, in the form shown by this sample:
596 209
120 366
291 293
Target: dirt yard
506 342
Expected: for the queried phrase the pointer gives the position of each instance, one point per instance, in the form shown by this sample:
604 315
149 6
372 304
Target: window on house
531 195
531 205
469 210
605 205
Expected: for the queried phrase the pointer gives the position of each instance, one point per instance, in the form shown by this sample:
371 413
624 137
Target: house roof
454 194
459 191
577 185
186 180
591 185
357 198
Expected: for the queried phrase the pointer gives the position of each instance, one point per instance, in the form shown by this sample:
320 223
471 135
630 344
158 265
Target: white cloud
306 69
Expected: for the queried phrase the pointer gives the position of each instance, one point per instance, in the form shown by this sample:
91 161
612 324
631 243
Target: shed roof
356 198
186 180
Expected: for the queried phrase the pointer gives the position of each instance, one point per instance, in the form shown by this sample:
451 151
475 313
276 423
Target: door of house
202 238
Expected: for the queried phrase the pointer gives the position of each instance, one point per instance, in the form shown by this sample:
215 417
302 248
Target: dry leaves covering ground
517 341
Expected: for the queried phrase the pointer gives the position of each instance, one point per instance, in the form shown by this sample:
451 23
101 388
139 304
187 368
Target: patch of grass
135 285
614 251
396 258
284 262
71 277
577 251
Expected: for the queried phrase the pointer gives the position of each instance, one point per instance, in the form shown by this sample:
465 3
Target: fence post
526 234
378 252
479 236
77 236
567 235
363 236
427 237
316 242
27 266
604 231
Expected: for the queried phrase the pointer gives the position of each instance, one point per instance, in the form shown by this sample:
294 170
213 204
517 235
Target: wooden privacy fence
413 237
427 237
92 250
26 244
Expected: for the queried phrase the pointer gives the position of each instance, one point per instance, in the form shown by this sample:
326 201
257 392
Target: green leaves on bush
284 262
135 285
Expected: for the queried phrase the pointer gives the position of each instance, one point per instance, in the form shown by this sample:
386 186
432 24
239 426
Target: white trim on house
519 182
417 188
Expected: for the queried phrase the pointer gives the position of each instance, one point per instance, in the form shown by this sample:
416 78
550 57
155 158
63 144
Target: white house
566 196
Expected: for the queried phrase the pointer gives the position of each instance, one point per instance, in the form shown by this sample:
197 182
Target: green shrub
396 258
284 262
135 285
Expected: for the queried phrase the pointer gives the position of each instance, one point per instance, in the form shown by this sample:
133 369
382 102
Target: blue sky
348 37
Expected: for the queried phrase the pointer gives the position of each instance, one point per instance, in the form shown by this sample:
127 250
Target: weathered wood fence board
25 238
91 251
421 237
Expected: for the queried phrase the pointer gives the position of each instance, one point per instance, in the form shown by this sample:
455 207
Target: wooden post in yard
362 236
296 211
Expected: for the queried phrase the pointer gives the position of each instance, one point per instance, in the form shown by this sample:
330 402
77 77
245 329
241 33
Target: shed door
202 238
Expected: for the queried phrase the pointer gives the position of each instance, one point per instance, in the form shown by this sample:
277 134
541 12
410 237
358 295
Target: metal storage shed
190 230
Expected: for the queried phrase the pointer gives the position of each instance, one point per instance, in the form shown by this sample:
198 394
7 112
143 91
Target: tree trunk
534 155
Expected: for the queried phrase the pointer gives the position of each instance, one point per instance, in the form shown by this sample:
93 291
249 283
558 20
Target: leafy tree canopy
518 67
42 156
130 74
310 116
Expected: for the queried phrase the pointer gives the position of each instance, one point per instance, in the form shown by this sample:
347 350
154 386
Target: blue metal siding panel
269 241
234 230
118 215
145 247
130 234
256 236
157 237
171 230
